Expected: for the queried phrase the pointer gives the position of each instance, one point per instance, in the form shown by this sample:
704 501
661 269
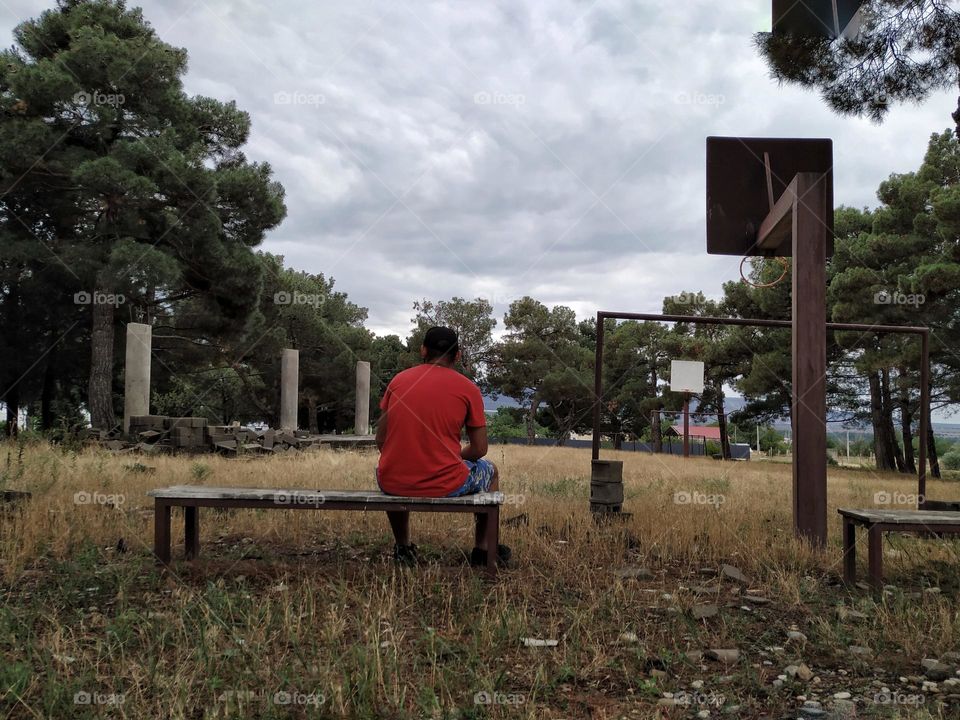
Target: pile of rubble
161 433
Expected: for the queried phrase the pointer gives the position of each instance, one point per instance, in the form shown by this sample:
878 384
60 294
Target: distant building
704 432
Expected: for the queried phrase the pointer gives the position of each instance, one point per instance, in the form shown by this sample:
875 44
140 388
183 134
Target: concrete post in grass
289 388
361 421
136 372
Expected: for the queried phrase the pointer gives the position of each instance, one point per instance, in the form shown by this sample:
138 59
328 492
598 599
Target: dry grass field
303 613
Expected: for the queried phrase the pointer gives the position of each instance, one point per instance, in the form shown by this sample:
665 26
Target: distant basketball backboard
686 376
821 18
739 196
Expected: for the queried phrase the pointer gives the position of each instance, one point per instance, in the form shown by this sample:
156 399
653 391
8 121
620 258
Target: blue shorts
478 481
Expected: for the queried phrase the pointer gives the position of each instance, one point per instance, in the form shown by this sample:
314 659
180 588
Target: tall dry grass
308 602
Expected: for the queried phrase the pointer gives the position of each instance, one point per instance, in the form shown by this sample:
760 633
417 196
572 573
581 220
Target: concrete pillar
136 372
361 416
289 388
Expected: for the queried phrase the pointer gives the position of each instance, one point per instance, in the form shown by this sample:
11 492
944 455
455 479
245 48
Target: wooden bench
193 497
924 523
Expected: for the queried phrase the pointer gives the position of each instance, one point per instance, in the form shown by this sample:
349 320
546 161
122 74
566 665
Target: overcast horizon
548 149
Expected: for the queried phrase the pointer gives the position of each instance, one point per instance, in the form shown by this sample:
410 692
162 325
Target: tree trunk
532 420
888 420
100 389
656 431
882 450
722 418
46 396
906 423
932 448
12 401
312 410
618 441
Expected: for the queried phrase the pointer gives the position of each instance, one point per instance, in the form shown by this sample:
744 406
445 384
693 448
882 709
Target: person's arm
476 425
382 430
476 448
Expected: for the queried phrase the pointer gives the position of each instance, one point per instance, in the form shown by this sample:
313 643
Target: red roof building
699 431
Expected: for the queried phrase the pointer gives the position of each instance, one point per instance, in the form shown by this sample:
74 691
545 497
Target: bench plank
917 522
300 496
193 497
902 517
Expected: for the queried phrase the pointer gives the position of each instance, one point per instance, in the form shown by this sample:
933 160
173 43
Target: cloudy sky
545 147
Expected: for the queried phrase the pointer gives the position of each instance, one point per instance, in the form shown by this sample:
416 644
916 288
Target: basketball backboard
738 196
686 376
821 18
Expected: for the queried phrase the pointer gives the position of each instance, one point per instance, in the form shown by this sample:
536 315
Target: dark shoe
405 554
478 557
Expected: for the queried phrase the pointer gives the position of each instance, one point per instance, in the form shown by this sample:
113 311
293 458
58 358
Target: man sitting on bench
424 409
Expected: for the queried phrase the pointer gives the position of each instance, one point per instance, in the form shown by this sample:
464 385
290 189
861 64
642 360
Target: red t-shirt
427 406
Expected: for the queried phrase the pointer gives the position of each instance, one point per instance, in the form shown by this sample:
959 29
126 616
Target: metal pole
924 416
809 401
598 386
686 425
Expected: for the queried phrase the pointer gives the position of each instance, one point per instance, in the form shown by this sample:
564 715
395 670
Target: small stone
728 656
658 673
844 708
694 656
796 636
778 683
842 695
757 599
703 714
936 670
801 672
629 637
859 651
732 573
952 658
696 684
701 612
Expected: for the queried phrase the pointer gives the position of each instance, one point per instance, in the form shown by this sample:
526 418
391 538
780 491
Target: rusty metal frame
923 332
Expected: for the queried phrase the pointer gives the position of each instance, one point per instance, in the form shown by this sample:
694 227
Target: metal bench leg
191 532
875 553
493 538
849 551
161 531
